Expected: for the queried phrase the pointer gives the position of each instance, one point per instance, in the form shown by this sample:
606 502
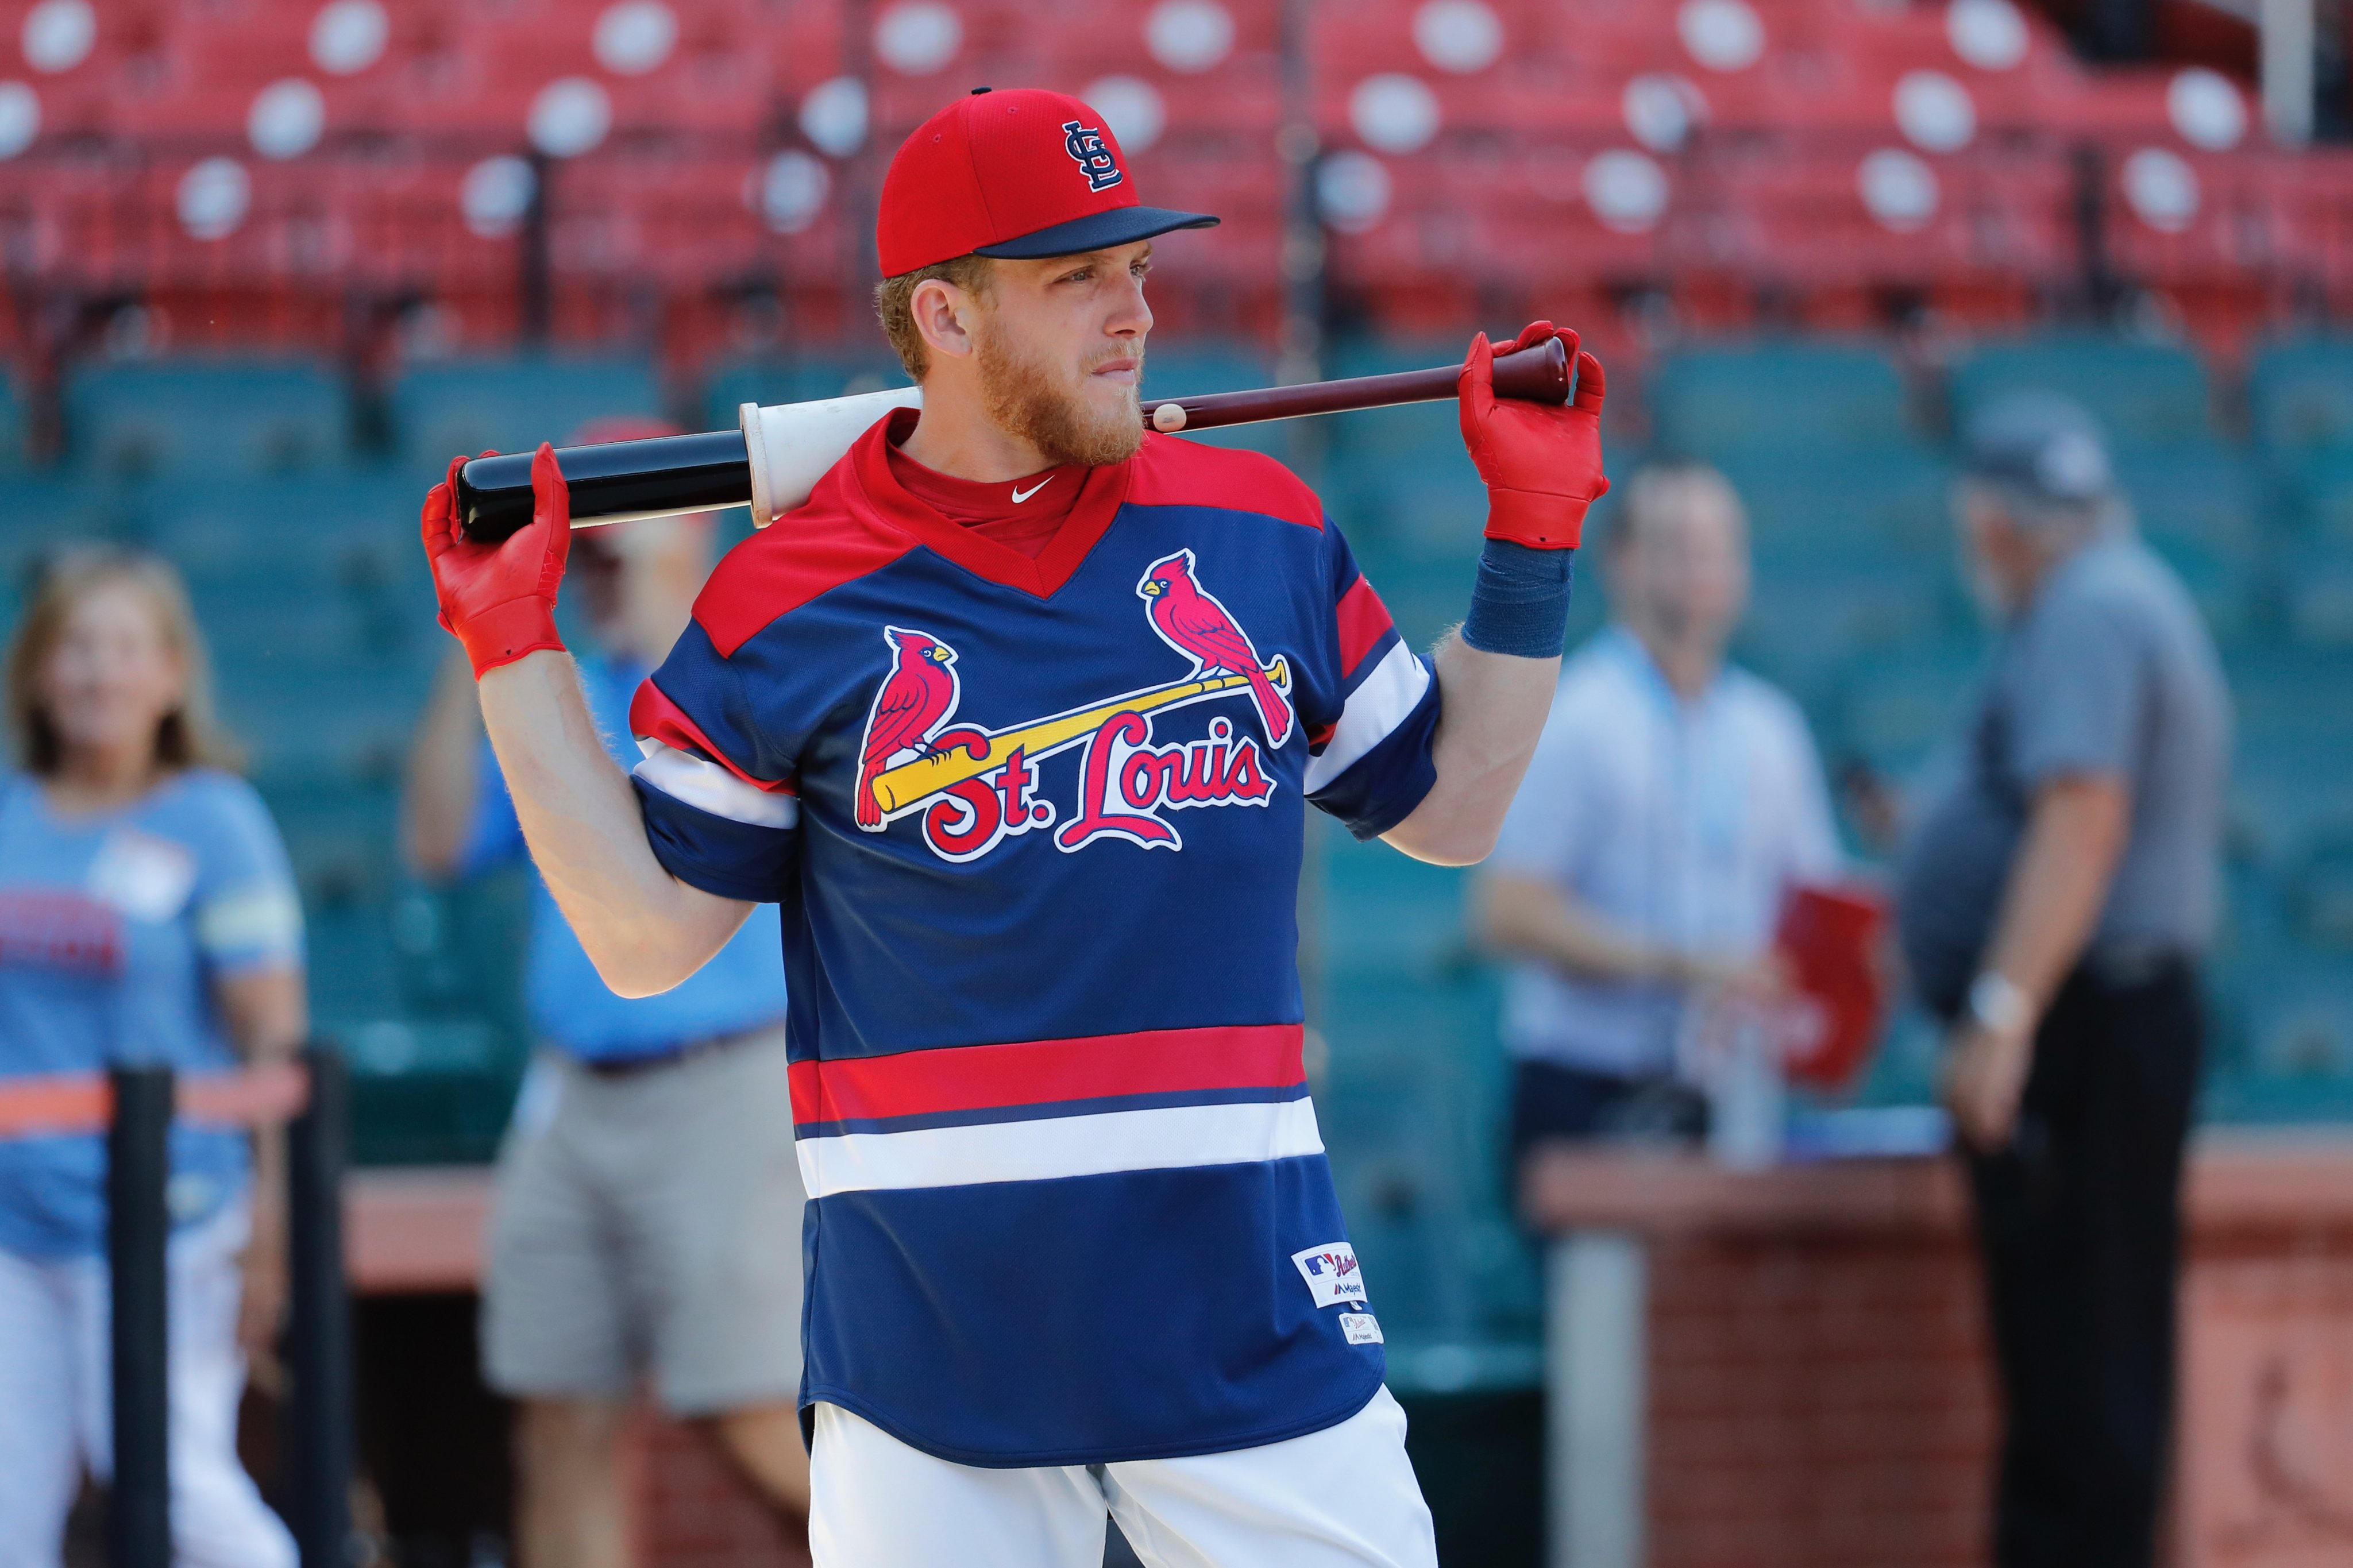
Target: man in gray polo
2053 906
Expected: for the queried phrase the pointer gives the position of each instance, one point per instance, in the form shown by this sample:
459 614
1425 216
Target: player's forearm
1493 709
643 929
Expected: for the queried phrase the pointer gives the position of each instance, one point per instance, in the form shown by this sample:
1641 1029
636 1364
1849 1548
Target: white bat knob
791 445
1168 417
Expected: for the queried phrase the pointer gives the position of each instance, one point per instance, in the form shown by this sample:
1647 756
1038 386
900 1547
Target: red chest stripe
1039 1072
1364 621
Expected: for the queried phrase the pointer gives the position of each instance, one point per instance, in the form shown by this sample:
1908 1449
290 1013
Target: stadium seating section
272 261
316 169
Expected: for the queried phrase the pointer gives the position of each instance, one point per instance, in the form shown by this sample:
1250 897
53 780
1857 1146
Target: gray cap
2048 446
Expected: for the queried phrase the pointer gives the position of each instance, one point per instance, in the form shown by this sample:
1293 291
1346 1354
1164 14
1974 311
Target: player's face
1061 351
112 674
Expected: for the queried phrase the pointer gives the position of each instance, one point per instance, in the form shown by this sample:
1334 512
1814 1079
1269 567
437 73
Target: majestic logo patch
1331 1275
974 788
1085 145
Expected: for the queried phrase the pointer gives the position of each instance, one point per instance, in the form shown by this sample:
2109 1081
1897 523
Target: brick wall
1817 1401
2267 1399
1820 1391
695 1511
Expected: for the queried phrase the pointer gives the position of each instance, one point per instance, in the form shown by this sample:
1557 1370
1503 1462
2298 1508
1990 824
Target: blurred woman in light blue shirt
146 915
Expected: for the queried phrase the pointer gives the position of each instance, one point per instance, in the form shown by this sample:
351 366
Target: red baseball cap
1019 173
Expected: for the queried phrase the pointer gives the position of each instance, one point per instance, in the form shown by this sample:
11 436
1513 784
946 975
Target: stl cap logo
1085 144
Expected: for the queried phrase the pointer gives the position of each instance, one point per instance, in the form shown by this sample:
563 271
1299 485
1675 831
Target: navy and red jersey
1035 829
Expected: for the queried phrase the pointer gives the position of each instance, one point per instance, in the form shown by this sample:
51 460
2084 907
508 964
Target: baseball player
1016 718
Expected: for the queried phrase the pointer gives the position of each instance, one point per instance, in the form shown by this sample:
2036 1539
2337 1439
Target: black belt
2128 964
675 1055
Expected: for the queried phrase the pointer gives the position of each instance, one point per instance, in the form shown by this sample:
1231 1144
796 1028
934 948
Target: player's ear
945 315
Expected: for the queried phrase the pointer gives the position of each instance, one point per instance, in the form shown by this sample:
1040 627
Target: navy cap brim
1096 231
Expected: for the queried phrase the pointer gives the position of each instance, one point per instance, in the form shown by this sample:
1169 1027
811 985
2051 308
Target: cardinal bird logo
908 710
1198 626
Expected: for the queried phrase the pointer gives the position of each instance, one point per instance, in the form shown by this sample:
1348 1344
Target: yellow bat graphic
909 782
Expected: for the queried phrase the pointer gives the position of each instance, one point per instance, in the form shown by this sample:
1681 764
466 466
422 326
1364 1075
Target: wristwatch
1999 1005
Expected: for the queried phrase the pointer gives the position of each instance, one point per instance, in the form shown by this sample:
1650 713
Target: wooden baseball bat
616 481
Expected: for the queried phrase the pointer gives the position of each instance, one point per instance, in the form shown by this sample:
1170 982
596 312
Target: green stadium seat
2299 1017
1894 710
335 512
444 408
322 723
1430 510
1875 499
2319 895
1397 439
2197 491
427 1091
15 435
798 380
349 948
2146 396
1812 613
2317 583
2319 493
1383 912
344 838
217 417
2289 790
47 510
1799 396
1190 368
2221 583
2300 396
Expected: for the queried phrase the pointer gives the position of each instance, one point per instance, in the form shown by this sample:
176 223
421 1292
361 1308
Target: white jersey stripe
1165 1138
1379 704
706 786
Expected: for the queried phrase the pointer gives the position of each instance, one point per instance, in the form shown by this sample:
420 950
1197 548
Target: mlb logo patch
1360 1329
1332 1274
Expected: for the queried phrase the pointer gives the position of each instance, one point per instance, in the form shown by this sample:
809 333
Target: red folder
1829 943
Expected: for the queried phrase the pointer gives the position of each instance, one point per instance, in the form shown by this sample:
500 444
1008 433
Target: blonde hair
186 737
894 304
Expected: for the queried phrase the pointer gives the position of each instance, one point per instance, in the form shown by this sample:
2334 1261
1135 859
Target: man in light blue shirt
1672 803
648 1215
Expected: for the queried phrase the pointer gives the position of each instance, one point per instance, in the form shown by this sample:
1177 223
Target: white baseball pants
56 1403
1342 1497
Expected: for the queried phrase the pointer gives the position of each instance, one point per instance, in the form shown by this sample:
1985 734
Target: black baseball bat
614 481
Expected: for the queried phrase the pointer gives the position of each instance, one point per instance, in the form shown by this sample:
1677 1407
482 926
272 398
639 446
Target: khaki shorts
650 1225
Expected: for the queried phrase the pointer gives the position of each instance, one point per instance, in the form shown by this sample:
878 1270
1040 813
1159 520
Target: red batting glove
1542 464
498 600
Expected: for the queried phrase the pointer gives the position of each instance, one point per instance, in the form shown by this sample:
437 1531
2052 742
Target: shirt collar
1631 652
1100 499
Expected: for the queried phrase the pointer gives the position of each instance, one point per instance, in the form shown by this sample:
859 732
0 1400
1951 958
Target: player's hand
1542 465
498 600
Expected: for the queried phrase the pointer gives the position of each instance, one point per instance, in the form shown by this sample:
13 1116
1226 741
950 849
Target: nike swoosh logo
1020 495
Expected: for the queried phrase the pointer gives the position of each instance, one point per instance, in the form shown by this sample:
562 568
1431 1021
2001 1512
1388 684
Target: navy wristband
1520 604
